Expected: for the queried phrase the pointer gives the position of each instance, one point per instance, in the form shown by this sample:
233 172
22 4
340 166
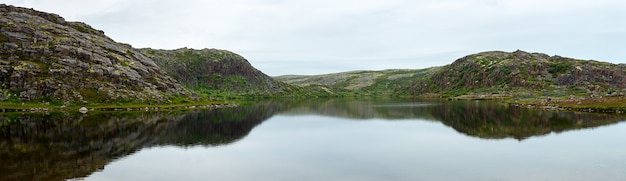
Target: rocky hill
521 72
360 82
44 58
215 71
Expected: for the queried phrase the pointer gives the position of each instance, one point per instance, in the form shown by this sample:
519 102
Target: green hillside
215 72
366 83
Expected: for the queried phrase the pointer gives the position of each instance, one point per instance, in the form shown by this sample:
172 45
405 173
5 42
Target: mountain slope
360 82
45 58
519 71
216 71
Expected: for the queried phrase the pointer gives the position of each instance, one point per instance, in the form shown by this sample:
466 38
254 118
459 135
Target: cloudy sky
325 36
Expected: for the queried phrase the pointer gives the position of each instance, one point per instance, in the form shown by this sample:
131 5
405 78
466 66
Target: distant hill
216 71
383 82
509 74
523 72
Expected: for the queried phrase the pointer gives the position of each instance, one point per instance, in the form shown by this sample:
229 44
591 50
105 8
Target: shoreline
598 104
609 104
36 109
589 109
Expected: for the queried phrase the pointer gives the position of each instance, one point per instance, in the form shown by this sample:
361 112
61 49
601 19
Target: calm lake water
360 140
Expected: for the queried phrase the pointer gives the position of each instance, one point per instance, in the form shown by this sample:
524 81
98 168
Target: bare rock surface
45 58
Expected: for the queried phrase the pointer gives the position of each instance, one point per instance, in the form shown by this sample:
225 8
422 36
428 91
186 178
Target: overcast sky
326 36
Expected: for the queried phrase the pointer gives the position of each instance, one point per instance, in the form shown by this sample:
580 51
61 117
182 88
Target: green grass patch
559 67
39 106
80 28
3 38
92 95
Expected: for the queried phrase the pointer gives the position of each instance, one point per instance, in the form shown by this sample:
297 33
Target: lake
325 139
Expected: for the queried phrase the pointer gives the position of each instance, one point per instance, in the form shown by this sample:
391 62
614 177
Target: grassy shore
610 104
38 106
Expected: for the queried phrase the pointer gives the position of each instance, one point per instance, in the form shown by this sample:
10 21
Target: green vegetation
79 28
559 67
13 103
3 38
211 72
93 95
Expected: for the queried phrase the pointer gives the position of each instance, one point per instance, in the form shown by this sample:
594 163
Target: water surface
318 140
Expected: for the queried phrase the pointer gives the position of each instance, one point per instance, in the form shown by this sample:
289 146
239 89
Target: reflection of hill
62 146
493 120
482 119
217 127
362 109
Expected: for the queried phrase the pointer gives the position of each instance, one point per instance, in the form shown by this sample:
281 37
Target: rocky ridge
45 58
216 71
523 72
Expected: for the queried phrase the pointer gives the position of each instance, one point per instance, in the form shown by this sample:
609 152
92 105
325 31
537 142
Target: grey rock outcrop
45 58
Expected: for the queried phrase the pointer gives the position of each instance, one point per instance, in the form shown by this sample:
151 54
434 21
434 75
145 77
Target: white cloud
324 36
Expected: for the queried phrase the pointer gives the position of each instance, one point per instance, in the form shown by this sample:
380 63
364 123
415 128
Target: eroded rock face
215 70
44 58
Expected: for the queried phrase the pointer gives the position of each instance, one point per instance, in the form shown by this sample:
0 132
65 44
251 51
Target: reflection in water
362 109
493 120
59 146
483 119
217 127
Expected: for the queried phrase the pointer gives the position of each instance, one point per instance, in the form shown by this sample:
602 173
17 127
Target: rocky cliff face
212 70
522 71
45 58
